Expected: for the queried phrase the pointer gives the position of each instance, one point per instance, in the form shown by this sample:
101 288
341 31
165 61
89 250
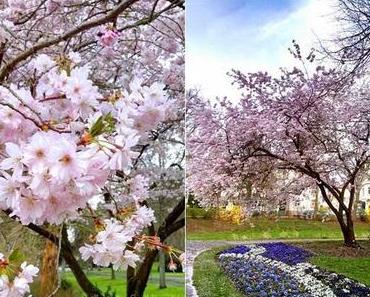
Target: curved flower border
286 262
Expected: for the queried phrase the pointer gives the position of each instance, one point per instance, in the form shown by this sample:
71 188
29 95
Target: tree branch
7 68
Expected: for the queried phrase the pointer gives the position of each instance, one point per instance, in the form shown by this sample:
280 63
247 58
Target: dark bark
344 218
112 273
343 212
347 228
137 279
179 3
137 284
83 281
67 253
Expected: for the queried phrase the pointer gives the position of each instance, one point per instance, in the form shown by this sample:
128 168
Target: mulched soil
337 249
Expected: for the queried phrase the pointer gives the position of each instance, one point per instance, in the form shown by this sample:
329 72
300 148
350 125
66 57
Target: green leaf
97 128
104 123
16 257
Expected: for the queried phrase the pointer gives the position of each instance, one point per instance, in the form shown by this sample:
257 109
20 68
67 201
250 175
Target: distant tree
351 46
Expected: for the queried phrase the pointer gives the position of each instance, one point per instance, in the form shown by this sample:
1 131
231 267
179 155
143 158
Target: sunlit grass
102 279
264 228
209 279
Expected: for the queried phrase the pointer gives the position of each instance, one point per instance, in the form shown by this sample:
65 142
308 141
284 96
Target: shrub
364 217
201 213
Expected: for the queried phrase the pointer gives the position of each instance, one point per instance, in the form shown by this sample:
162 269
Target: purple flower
240 249
285 253
258 279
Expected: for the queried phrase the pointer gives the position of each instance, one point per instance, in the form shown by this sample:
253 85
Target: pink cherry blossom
36 153
108 36
64 161
14 162
19 286
9 191
123 154
139 188
304 129
30 207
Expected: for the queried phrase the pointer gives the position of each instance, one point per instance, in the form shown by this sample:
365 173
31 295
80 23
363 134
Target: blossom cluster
265 270
111 242
17 285
66 151
64 141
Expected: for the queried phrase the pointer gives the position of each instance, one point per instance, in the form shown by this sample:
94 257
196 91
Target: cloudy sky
248 35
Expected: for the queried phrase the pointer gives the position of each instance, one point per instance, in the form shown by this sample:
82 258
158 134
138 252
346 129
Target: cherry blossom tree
89 90
301 129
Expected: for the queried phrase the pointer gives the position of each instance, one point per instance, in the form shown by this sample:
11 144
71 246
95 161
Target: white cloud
206 67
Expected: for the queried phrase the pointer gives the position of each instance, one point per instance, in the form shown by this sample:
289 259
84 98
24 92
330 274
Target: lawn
353 263
265 228
102 279
210 281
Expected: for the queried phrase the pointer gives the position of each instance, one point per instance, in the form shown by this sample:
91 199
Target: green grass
102 279
333 256
358 269
209 279
264 228
175 283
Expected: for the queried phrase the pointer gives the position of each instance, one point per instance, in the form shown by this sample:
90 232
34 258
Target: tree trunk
137 279
162 270
85 284
113 273
348 230
48 274
136 283
344 219
316 204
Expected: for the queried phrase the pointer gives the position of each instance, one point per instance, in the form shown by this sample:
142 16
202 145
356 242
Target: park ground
321 238
269 228
102 279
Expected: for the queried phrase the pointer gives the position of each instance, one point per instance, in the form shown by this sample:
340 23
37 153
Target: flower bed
239 249
278 269
285 253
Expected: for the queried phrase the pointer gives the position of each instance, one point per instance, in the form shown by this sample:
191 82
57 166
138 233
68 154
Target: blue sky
248 35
